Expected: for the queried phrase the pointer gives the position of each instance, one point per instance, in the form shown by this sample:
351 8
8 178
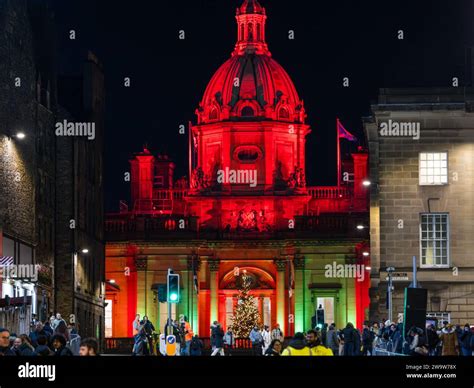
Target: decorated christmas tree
246 314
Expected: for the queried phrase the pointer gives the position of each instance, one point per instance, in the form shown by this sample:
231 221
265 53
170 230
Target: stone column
214 288
261 307
193 312
299 294
280 295
142 292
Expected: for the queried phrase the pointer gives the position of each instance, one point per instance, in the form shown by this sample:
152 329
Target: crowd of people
51 338
384 338
447 340
377 338
146 337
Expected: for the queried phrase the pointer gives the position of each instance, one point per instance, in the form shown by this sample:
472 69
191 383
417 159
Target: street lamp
365 254
85 250
390 271
20 135
360 227
366 183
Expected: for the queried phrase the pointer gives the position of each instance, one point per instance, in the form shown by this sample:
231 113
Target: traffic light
162 293
173 288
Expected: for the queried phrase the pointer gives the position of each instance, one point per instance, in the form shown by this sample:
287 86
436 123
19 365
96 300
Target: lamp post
390 271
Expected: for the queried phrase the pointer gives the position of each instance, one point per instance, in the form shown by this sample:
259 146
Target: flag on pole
195 277
344 133
291 284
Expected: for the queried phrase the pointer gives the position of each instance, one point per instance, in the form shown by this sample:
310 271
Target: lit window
434 239
433 168
437 318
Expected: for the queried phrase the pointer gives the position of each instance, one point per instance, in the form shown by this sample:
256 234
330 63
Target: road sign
170 345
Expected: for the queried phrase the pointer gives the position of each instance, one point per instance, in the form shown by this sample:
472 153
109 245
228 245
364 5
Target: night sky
333 39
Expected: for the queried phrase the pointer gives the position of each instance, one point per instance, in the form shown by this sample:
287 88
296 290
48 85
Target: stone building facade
47 180
422 198
27 166
279 231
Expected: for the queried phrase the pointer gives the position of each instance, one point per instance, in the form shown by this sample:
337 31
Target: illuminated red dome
251 84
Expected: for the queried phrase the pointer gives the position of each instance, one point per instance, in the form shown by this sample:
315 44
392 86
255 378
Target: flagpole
338 154
190 151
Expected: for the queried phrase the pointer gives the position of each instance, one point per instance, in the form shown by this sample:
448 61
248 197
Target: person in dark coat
350 340
42 349
195 349
397 339
5 339
61 329
332 339
59 346
213 331
367 340
465 340
26 348
218 340
472 341
432 339
38 330
275 348
48 329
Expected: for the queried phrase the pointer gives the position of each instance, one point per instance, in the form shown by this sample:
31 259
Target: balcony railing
124 228
329 192
166 201
125 345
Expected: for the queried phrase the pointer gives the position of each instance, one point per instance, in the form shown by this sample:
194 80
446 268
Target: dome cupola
251 85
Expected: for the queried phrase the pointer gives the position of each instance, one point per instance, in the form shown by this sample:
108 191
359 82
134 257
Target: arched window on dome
242 31
247 112
214 115
259 32
283 113
250 32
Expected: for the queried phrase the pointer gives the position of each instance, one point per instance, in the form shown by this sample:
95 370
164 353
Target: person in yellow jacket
313 339
297 347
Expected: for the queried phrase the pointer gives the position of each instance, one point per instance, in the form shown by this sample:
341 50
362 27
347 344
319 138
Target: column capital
280 264
193 260
299 262
141 263
213 265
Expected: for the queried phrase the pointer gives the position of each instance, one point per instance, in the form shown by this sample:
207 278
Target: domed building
245 208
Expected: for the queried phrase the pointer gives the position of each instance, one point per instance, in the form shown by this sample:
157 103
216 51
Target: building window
437 318
434 240
108 318
433 168
159 181
250 32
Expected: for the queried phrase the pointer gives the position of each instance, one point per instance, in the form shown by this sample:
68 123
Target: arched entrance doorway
262 289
